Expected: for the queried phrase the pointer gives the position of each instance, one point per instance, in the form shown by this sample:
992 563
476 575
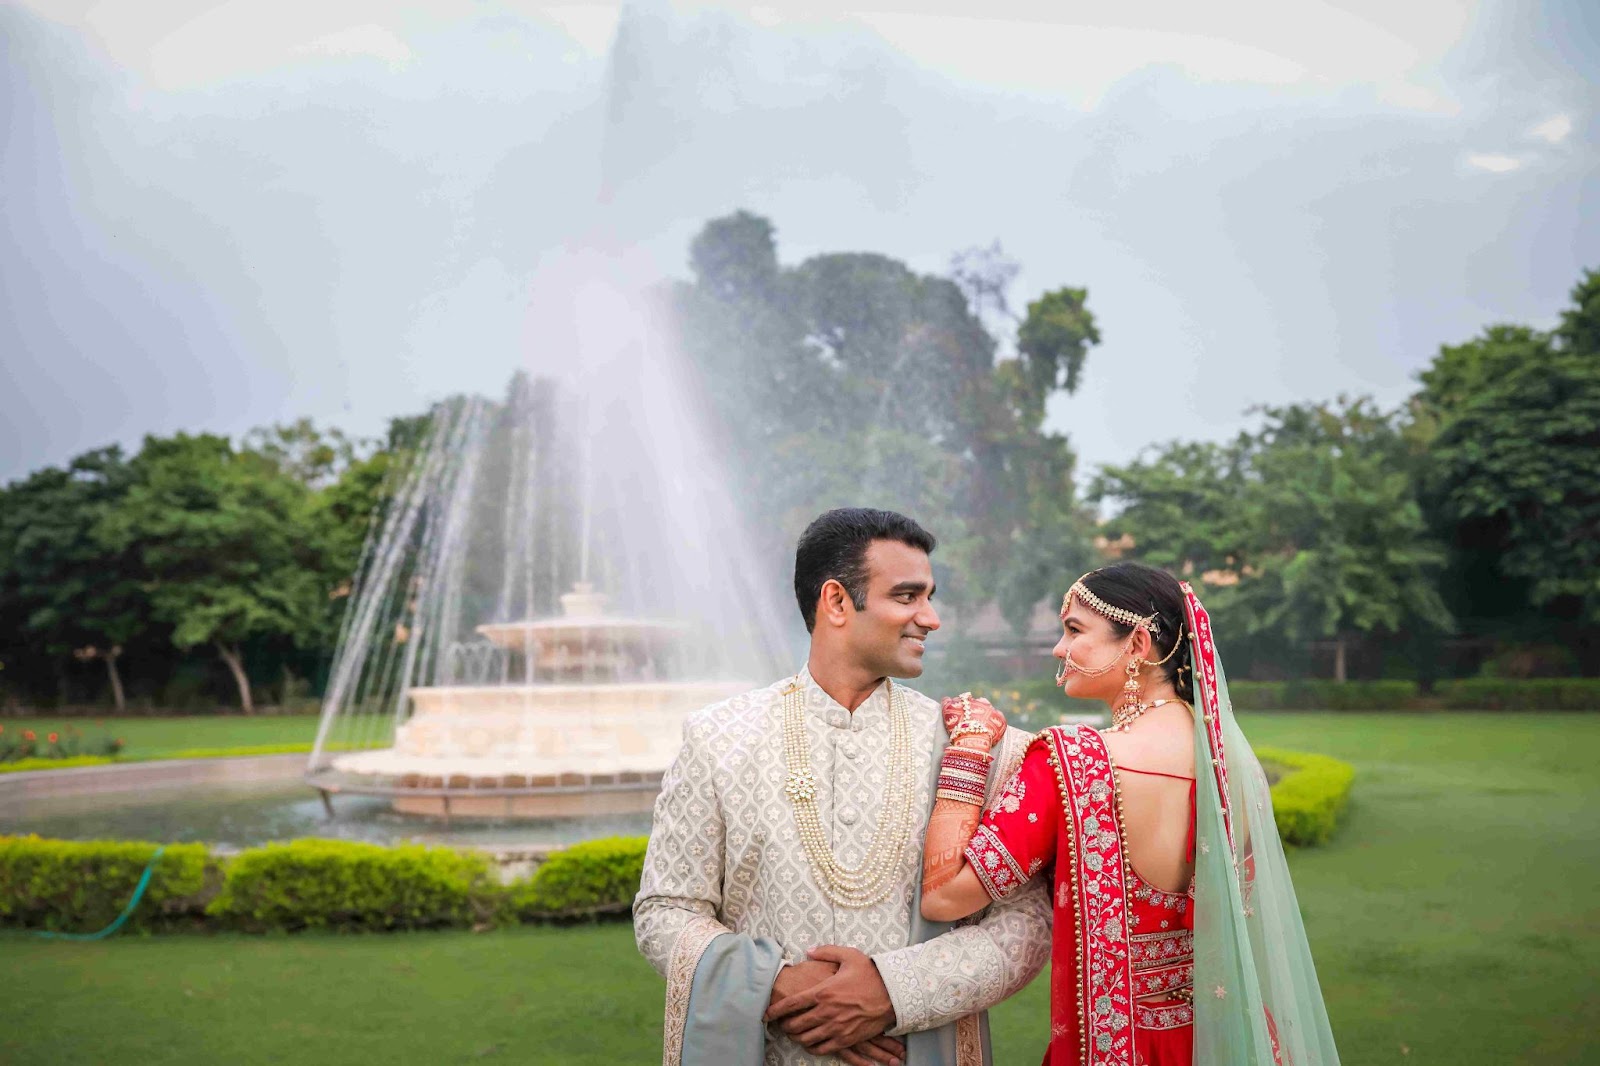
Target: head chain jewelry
1116 614
1099 606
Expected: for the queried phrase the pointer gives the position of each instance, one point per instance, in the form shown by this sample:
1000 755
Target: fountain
556 582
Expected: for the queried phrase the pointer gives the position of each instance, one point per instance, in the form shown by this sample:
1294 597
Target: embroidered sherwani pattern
725 849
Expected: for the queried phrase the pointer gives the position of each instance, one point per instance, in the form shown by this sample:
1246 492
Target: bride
1177 939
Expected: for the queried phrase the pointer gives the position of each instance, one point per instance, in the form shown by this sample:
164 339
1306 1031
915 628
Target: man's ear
834 605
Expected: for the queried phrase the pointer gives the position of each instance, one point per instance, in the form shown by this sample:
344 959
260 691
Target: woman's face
1087 646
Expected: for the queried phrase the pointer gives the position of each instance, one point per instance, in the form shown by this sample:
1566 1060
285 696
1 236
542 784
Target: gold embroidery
686 952
969 1041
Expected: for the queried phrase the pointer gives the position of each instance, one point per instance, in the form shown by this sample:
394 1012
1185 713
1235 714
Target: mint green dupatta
1256 997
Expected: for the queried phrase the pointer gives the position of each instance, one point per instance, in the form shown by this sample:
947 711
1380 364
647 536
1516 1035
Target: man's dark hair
834 547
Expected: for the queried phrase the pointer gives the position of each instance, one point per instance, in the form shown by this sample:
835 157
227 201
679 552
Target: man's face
887 635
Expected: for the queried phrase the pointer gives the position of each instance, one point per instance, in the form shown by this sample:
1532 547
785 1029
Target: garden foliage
335 884
1310 796
596 877
82 886
349 887
1037 703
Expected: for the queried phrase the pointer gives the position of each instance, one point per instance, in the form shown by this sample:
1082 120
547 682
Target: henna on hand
975 718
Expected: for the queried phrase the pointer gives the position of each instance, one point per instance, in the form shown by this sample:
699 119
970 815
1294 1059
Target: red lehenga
1122 962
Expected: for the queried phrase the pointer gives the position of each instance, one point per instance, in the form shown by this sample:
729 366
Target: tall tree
313 455
851 378
1308 528
1512 423
226 545
72 593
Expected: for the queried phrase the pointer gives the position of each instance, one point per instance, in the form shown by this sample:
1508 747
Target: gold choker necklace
1122 718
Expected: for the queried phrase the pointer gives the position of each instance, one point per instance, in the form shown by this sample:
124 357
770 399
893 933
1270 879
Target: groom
792 823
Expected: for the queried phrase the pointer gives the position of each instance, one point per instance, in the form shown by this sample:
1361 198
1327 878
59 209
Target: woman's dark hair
1147 590
834 547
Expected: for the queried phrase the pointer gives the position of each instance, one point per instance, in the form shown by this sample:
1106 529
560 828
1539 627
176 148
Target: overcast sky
222 215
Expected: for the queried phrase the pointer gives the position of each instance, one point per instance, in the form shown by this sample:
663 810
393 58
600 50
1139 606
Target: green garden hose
138 894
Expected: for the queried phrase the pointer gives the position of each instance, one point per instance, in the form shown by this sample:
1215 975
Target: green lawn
147 738
1454 920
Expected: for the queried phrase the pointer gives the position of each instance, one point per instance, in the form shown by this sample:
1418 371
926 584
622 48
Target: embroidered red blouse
1151 954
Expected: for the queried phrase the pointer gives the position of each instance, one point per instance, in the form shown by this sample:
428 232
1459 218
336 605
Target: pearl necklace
869 883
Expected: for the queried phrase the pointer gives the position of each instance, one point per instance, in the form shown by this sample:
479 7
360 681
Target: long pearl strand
879 872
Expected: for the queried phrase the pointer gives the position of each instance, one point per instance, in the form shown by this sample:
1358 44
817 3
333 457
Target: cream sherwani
725 856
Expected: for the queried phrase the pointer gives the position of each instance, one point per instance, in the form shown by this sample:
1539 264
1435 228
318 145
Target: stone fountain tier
572 635
534 750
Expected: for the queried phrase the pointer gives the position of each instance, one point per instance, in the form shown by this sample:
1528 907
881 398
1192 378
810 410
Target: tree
315 457
851 378
226 547
1307 529
1054 340
71 592
1512 423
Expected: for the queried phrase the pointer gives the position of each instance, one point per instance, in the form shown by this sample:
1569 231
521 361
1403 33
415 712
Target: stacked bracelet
964 775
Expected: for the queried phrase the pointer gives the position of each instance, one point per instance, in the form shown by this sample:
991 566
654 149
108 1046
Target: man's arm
976 966
681 886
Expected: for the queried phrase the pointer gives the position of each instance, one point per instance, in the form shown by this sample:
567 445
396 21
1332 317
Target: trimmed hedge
597 877
336 884
1533 694
1322 695
1310 797
1037 702
347 886
81 886
68 886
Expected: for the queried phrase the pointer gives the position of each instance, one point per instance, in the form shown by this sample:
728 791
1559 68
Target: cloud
1080 62
1495 164
1554 129
1413 97
592 25
369 40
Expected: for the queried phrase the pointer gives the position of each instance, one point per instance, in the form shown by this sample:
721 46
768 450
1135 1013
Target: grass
195 737
1453 918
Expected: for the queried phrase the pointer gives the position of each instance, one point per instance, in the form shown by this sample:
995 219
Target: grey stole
733 984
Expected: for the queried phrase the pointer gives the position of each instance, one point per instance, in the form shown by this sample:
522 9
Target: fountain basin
499 751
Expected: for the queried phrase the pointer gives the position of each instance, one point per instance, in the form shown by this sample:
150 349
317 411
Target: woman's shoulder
1160 751
1069 738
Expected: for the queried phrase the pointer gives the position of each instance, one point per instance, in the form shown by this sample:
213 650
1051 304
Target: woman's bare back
1155 778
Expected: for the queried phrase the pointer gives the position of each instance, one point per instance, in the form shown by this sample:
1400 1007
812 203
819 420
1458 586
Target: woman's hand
972 722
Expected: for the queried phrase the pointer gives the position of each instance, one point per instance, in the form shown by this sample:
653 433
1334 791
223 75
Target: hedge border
347 886
1321 694
312 883
1310 799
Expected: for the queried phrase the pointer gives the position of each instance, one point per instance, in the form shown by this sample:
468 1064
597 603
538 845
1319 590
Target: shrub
81 886
1534 694
1310 797
1320 694
335 884
1035 703
597 877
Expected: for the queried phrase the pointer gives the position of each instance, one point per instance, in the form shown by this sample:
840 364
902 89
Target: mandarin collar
830 712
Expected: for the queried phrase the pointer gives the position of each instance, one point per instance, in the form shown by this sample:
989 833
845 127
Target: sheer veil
1256 997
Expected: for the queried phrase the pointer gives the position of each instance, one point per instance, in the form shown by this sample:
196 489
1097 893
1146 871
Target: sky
223 215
